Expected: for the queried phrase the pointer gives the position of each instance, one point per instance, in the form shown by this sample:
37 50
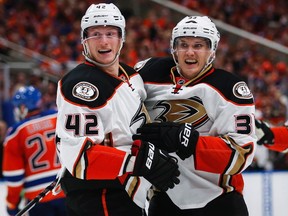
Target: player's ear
85 48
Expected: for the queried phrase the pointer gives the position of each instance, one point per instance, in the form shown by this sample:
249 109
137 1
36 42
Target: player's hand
158 168
264 133
170 136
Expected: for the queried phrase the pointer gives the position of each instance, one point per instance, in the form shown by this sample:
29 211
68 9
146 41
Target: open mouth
104 51
190 61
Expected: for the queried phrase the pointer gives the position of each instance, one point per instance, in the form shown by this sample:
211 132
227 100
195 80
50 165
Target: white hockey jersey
221 107
98 113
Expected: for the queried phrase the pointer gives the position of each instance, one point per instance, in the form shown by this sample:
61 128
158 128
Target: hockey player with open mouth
204 117
100 105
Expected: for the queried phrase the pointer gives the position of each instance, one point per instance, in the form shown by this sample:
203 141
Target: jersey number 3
243 124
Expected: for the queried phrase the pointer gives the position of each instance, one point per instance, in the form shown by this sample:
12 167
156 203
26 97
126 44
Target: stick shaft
37 199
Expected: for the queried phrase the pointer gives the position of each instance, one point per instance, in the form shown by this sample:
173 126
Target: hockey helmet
28 96
196 26
103 15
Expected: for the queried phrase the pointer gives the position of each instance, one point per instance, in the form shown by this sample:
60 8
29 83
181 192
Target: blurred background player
30 159
3 130
273 138
203 114
100 106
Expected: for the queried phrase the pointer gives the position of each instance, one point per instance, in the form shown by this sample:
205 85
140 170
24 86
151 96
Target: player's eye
198 46
111 34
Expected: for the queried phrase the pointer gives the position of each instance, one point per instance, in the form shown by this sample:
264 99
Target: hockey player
3 131
273 138
205 117
30 159
100 107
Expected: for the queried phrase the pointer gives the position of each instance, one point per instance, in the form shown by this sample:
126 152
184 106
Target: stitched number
91 125
73 123
39 143
34 160
243 124
90 128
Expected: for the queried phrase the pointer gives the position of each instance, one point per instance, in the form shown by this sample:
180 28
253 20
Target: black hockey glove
158 168
170 136
264 133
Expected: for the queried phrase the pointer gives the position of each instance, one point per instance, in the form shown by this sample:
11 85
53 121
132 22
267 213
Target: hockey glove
170 136
264 133
158 168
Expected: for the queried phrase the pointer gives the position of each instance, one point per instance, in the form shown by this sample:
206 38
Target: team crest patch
241 90
85 91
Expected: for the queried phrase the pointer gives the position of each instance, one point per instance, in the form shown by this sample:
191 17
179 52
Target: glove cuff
130 163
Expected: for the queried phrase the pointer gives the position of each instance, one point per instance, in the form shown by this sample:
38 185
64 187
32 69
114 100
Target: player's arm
81 130
13 172
273 138
211 154
224 155
228 147
280 140
80 136
83 153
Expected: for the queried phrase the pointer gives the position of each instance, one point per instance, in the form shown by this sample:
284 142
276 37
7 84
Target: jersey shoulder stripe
229 85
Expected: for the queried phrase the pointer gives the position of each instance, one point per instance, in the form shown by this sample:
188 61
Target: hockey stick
37 199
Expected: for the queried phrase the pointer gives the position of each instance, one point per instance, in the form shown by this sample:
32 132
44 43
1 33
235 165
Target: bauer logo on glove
158 168
150 156
171 137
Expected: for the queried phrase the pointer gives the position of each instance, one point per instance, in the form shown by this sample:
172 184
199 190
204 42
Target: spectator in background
30 161
49 96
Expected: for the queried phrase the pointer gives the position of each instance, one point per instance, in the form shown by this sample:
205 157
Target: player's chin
189 71
106 57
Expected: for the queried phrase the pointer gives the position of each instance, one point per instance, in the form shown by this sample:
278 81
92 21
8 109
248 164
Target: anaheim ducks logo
189 110
85 91
141 115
